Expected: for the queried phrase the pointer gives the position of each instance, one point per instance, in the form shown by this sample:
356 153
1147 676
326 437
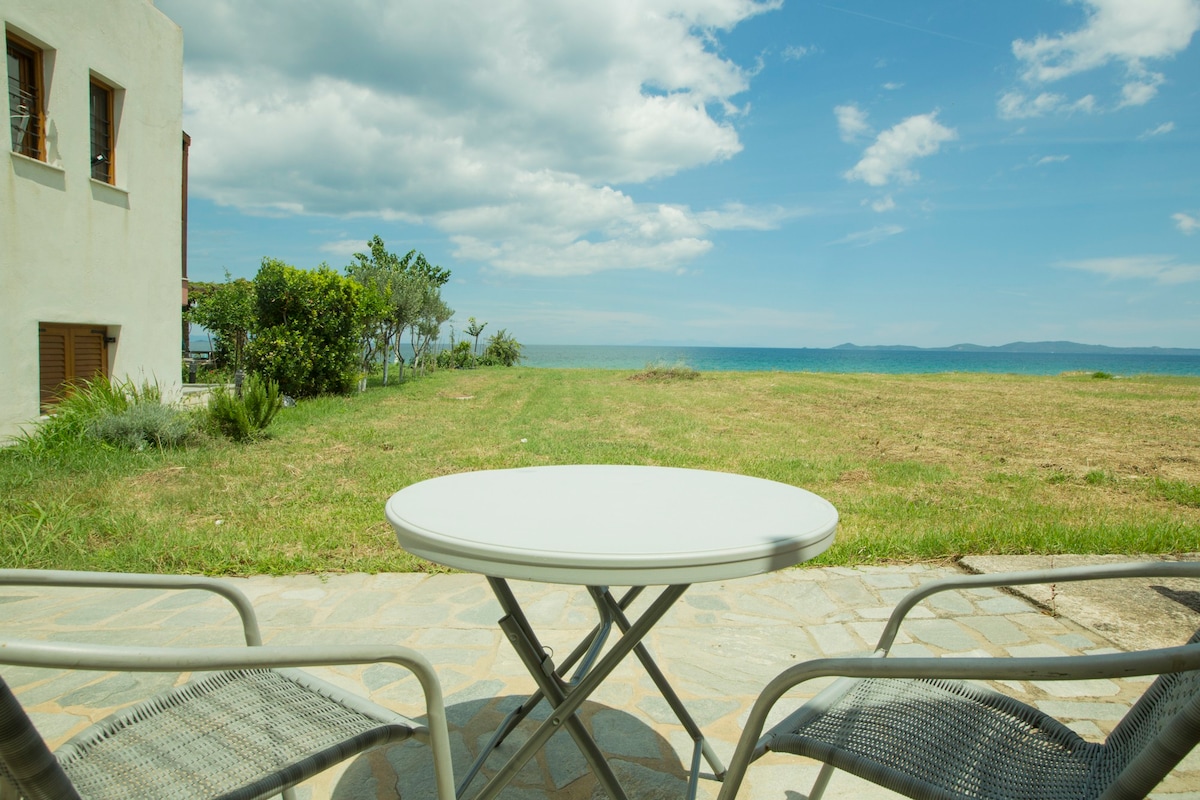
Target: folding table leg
520 633
700 744
589 646
564 711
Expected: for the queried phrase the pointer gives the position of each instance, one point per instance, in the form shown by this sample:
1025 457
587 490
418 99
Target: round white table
602 526
611 525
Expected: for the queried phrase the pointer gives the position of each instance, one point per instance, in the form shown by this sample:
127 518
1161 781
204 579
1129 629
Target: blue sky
725 172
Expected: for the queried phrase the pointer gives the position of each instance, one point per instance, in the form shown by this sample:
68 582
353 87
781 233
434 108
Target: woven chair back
27 767
1161 728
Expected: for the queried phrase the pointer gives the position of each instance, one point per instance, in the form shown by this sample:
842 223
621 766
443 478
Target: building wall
77 250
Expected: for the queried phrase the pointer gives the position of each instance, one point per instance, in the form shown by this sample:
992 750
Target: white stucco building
92 199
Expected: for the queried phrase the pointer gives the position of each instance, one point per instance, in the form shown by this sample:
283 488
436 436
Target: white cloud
883 204
1018 105
345 247
1051 160
1160 269
581 256
894 149
1141 90
1129 33
468 115
1166 127
557 227
736 216
892 86
1186 223
795 52
852 122
871 236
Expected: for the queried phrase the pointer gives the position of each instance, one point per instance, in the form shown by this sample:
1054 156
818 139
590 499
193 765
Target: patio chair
252 730
911 725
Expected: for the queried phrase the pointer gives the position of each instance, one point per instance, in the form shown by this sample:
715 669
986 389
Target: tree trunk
386 361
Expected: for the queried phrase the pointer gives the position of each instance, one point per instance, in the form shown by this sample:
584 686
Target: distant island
1035 347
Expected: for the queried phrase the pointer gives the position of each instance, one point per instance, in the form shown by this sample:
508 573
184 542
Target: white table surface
611 525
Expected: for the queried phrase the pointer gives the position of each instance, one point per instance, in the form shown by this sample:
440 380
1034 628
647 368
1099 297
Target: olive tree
424 330
403 294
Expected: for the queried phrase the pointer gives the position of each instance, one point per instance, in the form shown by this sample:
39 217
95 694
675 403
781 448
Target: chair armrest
1116 665
1149 569
119 580
62 655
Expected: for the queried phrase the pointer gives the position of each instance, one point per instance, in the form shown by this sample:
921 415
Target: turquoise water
760 359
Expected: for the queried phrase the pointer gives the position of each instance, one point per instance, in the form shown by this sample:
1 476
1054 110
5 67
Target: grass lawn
919 466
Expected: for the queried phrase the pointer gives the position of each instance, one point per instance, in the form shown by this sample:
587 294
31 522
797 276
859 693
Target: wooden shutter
53 354
90 357
69 354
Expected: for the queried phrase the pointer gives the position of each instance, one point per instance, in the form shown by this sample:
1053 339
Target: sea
780 359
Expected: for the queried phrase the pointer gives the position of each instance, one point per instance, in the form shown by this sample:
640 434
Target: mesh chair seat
923 738
218 736
252 730
902 723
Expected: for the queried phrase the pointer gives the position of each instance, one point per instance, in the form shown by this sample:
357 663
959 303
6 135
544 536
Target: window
102 132
69 354
25 98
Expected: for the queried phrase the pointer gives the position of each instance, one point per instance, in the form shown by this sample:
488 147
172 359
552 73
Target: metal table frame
566 696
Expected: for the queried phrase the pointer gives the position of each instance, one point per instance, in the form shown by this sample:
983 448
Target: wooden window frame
32 142
103 131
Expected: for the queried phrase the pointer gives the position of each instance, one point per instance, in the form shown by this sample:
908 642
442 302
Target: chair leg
822 781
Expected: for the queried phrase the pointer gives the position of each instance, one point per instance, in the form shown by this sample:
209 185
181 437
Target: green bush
206 372
457 357
91 412
142 425
249 416
307 330
502 349
662 371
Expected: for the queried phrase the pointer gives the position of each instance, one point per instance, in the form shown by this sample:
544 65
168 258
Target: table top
611 525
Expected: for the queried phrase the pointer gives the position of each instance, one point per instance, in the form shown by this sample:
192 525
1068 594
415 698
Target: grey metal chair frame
342 724
912 726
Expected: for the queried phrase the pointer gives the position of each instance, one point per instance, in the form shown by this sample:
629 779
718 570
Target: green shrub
71 422
502 349
206 372
1102 376
661 371
247 417
141 425
457 357
307 329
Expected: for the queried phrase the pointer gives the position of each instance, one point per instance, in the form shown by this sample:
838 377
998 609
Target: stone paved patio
718 646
